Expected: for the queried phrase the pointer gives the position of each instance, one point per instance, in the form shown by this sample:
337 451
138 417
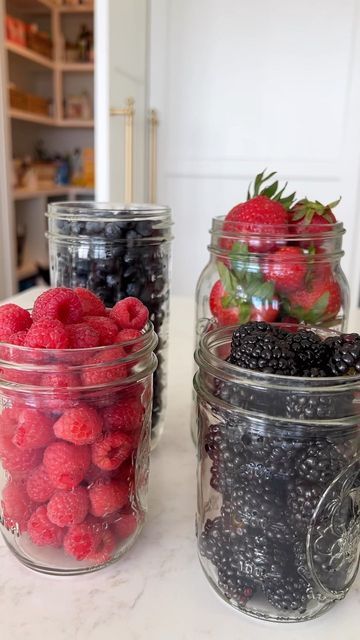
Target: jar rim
219 337
108 211
16 358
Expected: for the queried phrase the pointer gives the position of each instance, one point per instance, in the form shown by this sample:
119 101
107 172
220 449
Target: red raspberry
16 505
66 508
47 334
105 327
126 525
82 336
43 532
91 304
17 460
111 450
104 549
80 425
94 473
18 338
125 415
58 304
107 496
104 368
62 378
66 464
81 540
130 313
130 336
34 430
8 421
13 319
38 485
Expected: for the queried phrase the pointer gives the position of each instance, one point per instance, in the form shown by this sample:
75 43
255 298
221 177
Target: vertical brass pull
128 113
154 123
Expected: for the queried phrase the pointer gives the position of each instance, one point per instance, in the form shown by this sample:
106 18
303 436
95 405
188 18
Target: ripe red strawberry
264 211
286 267
228 316
265 311
216 294
307 217
320 302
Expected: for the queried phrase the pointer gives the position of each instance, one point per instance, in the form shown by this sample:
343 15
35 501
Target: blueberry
94 228
77 228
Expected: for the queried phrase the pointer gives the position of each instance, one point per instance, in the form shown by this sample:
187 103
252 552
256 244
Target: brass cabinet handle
128 113
154 123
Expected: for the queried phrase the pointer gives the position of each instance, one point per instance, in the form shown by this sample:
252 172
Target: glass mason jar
74 452
248 278
118 251
258 279
278 519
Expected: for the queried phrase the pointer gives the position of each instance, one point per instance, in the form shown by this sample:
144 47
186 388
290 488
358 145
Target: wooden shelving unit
55 79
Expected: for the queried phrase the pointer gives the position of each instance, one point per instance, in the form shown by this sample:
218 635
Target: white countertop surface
157 591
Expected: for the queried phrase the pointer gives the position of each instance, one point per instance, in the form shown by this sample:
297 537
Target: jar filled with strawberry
75 417
276 259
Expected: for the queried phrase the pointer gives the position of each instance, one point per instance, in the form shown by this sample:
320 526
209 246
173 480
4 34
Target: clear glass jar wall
278 521
255 283
73 502
118 251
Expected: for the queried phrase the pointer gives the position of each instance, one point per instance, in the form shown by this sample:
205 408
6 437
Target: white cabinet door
241 86
121 73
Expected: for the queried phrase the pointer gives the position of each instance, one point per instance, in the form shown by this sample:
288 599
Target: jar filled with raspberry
278 521
75 418
276 259
118 251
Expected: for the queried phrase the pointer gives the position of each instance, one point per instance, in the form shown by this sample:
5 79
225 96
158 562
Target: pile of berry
117 259
272 473
69 453
278 265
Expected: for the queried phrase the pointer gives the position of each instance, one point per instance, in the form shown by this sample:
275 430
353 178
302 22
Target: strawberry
320 302
216 294
307 217
265 311
264 212
286 267
228 316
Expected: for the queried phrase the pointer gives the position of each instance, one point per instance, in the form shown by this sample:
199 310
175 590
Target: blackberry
302 499
288 593
258 503
262 351
303 406
320 462
257 556
311 353
345 354
277 454
248 328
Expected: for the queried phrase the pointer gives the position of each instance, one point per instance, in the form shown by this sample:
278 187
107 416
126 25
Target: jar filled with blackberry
278 520
118 251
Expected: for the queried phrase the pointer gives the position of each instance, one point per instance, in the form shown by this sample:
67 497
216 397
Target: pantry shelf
72 67
81 124
82 8
46 192
28 116
28 54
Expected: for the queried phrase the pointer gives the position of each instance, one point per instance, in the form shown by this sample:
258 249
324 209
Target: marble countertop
157 591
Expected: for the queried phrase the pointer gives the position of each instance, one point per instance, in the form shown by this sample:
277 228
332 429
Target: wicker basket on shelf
38 105
39 42
18 99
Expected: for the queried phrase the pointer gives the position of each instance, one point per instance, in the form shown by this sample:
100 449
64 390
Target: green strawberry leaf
227 278
244 312
310 316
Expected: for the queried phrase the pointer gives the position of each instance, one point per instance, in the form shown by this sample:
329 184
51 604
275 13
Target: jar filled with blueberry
75 417
278 417
118 251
